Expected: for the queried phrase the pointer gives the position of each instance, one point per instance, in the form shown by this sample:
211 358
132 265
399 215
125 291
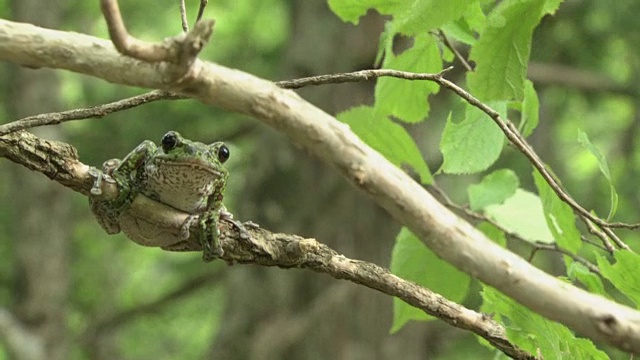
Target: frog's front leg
123 173
209 234
108 211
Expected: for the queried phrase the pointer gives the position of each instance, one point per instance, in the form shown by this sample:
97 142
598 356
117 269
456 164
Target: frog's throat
190 163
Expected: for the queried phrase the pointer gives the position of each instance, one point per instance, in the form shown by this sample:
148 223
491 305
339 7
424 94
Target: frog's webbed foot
242 227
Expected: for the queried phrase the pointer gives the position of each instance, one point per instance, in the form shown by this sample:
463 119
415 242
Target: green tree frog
185 175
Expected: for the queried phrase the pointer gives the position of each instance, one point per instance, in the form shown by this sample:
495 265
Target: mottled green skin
183 174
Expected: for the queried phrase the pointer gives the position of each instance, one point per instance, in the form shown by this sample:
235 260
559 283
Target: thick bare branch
447 235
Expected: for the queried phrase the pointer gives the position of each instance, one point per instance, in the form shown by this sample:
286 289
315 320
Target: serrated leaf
412 260
591 281
459 30
502 52
522 214
624 274
535 334
388 138
583 139
404 99
352 10
558 215
421 16
550 6
473 144
494 188
465 28
530 109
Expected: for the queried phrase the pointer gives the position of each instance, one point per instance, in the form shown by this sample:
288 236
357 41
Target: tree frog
183 174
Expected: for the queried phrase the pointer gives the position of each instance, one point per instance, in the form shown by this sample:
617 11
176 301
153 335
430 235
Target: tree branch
20 342
263 247
450 237
86 113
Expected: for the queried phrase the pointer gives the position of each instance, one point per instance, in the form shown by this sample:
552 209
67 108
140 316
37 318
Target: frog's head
176 151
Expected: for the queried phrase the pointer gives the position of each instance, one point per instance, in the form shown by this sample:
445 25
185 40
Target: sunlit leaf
535 334
530 109
473 144
624 274
493 189
404 99
412 260
388 138
591 281
522 214
559 216
502 52
493 233
583 139
352 10
419 16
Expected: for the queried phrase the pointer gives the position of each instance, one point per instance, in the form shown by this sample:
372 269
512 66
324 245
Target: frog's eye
169 141
223 153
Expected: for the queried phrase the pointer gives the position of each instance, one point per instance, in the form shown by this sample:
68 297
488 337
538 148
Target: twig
203 4
593 243
357 76
536 245
510 131
85 113
455 51
183 16
181 50
554 247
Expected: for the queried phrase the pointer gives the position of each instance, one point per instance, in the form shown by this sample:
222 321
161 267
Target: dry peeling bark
450 237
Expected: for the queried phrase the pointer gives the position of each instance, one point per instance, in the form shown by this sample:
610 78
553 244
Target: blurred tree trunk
41 230
277 314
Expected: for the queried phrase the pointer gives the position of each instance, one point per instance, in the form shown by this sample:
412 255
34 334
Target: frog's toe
210 253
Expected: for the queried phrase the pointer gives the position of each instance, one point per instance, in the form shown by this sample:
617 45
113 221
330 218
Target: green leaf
424 15
624 274
493 233
473 144
502 53
460 31
494 188
530 109
591 281
522 214
412 260
559 216
535 334
550 6
583 139
352 10
404 99
388 138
